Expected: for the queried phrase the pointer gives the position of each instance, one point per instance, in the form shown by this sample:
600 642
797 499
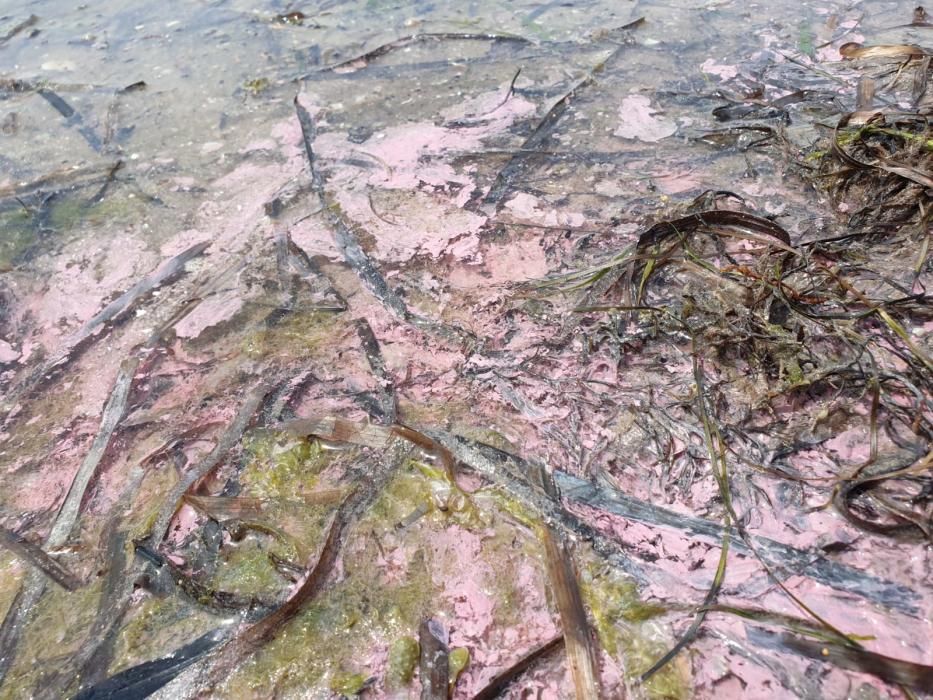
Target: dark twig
435 665
72 118
63 179
377 364
501 681
354 255
111 178
545 126
346 240
36 556
25 24
404 41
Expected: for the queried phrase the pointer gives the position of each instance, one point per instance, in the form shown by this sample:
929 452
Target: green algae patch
421 490
58 630
321 645
17 234
404 653
11 576
158 626
454 504
70 213
626 629
333 633
281 468
408 491
246 569
295 337
278 514
256 86
20 227
458 660
145 511
368 609
516 509
350 684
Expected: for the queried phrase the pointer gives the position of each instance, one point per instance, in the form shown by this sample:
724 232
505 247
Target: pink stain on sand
723 71
639 120
400 185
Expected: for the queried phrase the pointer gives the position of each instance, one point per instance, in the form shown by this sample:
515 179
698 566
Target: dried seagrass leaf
339 429
368 435
36 556
905 51
582 653
904 673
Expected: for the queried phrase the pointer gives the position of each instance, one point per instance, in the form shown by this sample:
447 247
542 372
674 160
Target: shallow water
489 145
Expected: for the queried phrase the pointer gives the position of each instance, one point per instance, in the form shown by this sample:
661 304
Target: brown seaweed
856 50
337 429
230 437
215 668
867 481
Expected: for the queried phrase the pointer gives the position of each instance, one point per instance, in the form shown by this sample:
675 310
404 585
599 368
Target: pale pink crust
639 120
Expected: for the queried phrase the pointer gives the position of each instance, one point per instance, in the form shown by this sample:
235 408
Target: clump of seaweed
830 327
878 169
731 293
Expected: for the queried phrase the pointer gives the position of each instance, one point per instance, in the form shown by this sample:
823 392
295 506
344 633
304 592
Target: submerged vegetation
573 386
